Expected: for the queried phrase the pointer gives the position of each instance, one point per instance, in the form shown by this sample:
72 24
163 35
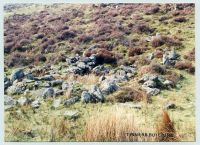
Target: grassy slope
40 123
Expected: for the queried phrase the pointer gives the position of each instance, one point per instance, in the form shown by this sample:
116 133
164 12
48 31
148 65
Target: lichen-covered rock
16 88
9 102
47 78
86 97
23 101
36 104
56 103
109 87
71 101
17 74
56 83
48 92
151 91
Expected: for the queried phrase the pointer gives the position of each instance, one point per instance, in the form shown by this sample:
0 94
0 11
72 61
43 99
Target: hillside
98 72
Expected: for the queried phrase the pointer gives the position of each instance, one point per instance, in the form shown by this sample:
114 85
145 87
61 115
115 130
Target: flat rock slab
71 114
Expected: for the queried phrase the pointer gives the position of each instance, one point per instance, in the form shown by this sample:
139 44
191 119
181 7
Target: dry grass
166 127
112 125
59 129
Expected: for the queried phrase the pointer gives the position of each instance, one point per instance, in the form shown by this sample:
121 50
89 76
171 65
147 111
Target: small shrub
170 41
136 51
66 35
8 47
158 54
19 59
152 10
180 19
185 65
105 56
173 76
39 58
153 68
144 29
190 55
85 38
128 94
156 42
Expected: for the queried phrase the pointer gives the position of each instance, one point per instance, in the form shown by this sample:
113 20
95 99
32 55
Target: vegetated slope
109 53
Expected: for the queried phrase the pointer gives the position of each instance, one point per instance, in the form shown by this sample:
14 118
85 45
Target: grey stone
151 91
23 101
109 87
128 69
168 83
9 102
170 106
47 78
100 69
36 103
65 86
59 92
86 97
56 83
30 76
27 93
148 77
97 94
48 92
17 74
71 101
7 84
71 114
56 103
17 88
82 65
150 84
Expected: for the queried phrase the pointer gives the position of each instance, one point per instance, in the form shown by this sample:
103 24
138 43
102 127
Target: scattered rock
23 101
72 60
30 76
48 92
109 87
56 103
47 78
150 83
168 84
96 93
7 83
59 92
86 97
17 74
93 95
99 70
65 86
151 91
36 103
56 83
17 88
170 106
170 57
71 101
71 114
9 102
